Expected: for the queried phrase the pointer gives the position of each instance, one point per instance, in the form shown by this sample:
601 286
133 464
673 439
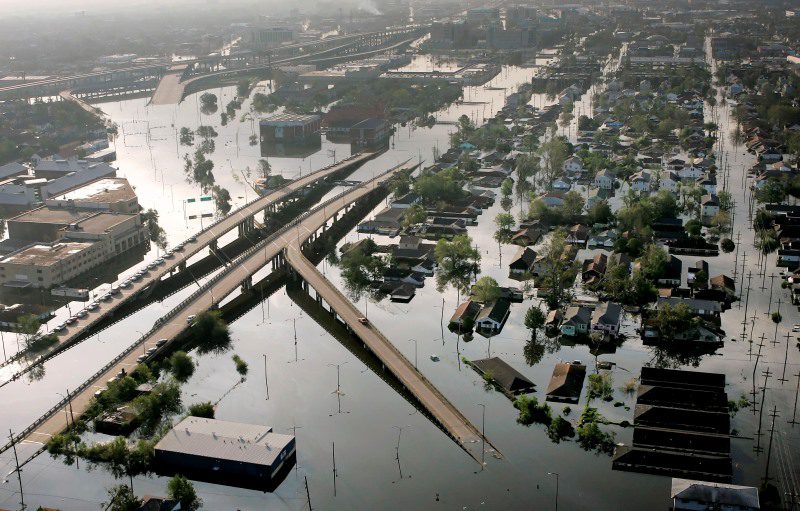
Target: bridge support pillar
213 246
247 226
247 284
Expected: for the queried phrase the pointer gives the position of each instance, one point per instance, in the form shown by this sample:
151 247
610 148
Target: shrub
241 365
530 411
600 386
181 366
559 429
205 409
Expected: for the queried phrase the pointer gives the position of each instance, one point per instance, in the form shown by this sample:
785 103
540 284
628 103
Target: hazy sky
68 6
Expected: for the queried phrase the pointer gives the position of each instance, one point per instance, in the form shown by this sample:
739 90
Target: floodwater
387 454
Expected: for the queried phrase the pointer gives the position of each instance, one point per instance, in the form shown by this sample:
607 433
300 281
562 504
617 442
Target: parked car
82 313
71 320
161 342
190 319
93 306
363 321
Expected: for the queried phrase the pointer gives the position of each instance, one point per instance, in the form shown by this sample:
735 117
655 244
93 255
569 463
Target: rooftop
284 118
109 189
101 222
50 215
743 497
43 254
212 438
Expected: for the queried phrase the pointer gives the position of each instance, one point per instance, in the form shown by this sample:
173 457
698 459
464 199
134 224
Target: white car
190 319
93 306
796 328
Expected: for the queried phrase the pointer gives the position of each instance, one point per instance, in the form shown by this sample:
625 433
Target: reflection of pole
333 448
294 324
266 380
19 473
308 495
555 474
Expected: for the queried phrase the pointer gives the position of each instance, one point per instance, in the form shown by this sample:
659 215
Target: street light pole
555 474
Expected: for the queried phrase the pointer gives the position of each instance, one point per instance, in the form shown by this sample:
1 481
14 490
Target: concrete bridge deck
202 240
169 90
448 416
174 323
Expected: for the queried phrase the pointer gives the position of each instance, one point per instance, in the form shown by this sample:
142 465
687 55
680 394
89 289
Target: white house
708 183
691 172
552 199
573 165
671 182
604 180
640 181
562 185
710 205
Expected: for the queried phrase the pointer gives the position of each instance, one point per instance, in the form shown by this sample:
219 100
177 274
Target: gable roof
505 375
567 381
607 313
716 493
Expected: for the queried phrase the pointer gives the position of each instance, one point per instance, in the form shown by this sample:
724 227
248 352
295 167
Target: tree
121 498
157 234
653 262
211 332
181 366
728 245
534 319
557 274
553 153
222 199
361 266
416 214
486 290
457 262
243 88
241 365
573 204
181 489
205 409
673 320
505 222
264 168
694 227
507 187
600 213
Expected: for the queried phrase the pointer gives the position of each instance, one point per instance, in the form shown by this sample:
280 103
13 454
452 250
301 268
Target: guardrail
178 308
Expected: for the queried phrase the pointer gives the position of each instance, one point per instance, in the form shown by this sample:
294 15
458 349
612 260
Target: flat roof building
46 265
241 453
290 128
106 194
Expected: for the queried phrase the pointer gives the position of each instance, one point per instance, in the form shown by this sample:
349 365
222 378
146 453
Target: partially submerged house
512 381
566 383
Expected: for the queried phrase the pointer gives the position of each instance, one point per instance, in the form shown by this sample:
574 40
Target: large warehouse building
209 448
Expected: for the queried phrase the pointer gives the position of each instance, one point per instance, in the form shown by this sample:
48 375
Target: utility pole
767 375
771 287
483 435
778 312
755 368
17 470
746 304
783 379
769 446
796 393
